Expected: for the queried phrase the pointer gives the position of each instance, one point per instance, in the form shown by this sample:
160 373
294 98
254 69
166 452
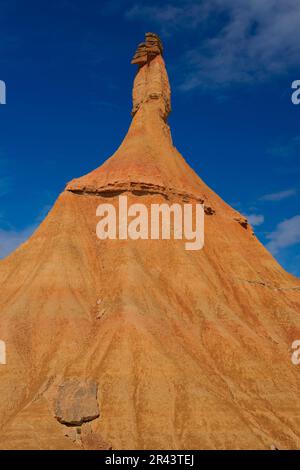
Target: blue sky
231 64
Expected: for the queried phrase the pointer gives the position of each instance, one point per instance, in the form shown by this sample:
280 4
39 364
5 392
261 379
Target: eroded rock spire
146 160
151 82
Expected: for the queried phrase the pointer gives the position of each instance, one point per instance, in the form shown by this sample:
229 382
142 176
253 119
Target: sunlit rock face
186 349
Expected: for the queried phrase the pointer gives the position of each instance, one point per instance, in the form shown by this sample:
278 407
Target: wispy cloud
170 16
287 149
251 41
279 196
286 234
255 219
11 239
259 39
158 14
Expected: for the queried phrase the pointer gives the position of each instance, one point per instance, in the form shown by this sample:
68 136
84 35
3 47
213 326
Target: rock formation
189 349
76 403
147 50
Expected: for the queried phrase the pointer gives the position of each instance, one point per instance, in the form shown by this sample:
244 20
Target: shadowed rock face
190 350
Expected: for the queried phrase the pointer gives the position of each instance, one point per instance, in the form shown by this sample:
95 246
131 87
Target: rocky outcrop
147 50
76 403
243 221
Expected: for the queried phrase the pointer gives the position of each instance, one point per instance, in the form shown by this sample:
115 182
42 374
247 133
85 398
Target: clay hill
141 344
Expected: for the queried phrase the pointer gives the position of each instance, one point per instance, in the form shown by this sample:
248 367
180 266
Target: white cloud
255 219
156 13
170 16
259 39
287 233
280 196
11 239
249 40
288 149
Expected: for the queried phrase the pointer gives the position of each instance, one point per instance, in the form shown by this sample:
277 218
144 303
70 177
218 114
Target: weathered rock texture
191 349
147 50
76 403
